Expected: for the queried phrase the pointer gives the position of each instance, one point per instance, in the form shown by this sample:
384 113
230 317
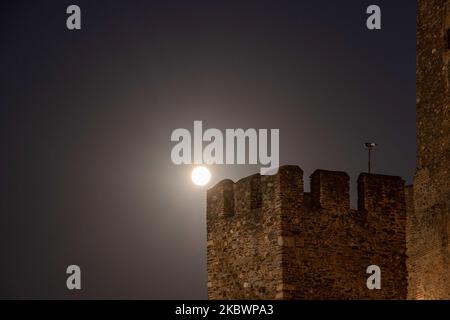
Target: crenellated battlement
269 239
330 191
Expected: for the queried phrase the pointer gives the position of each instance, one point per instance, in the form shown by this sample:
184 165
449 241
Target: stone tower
428 226
268 239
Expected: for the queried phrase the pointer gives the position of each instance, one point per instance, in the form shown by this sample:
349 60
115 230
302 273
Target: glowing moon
201 176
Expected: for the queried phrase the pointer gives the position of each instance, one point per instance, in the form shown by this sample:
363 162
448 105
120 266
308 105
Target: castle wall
282 243
428 222
244 225
268 239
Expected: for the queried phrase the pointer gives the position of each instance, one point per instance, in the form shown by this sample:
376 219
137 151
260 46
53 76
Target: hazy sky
86 116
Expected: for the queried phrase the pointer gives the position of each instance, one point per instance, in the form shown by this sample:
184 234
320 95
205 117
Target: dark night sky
86 117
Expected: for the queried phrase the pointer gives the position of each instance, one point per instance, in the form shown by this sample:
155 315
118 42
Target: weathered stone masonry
267 239
428 226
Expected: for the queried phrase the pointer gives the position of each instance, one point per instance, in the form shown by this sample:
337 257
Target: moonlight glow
201 176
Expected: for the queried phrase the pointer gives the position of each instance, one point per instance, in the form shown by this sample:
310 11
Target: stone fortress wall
268 239
428 224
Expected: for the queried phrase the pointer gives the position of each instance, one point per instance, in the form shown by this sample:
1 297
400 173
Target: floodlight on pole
370 146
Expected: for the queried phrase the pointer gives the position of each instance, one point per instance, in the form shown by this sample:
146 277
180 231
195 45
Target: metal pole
370 146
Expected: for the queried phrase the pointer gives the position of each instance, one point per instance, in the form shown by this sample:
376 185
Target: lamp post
370 146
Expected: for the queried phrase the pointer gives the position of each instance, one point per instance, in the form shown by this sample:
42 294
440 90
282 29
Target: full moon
200 176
